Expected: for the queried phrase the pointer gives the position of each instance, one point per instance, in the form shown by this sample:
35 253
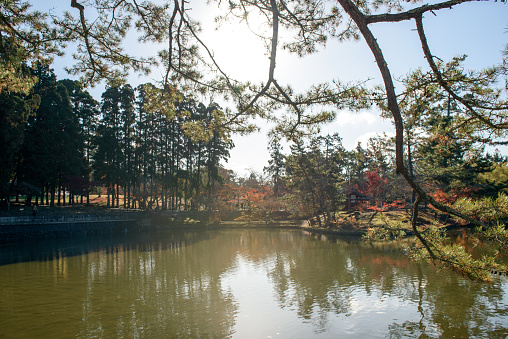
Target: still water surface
237 283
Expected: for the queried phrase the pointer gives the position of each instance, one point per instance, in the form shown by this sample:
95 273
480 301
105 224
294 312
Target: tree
276 166
447 159
374 186
15 110
25 37
107 164
146 147
127 120
53 148
87 111
315 172
356 165
216 150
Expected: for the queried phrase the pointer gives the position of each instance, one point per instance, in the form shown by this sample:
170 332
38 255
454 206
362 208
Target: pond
237 283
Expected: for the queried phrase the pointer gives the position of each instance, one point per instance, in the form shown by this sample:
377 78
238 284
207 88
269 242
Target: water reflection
236 284
162 286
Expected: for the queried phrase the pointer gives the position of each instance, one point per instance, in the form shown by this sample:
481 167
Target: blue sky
478 29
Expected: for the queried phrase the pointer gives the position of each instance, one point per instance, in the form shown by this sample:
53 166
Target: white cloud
349 118
364 138
354 127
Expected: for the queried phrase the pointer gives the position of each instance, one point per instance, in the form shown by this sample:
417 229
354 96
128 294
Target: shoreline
19 228
83 221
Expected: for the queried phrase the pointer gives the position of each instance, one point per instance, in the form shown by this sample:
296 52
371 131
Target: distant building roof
358 195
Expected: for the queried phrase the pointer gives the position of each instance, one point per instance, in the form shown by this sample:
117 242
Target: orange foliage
257 195
449 198
396 205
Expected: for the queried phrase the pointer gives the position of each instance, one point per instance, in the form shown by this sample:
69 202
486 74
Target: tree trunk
53 188
360 20
107 199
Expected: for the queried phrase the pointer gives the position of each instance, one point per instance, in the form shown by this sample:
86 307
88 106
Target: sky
477 29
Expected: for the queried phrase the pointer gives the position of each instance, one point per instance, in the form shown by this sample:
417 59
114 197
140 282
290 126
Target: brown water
237 283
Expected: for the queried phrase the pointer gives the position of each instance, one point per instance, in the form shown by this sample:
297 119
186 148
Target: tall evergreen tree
87 110
108 157
276 165
127 135
15 111
53 148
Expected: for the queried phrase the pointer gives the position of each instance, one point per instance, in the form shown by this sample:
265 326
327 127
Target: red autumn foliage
383 207
374 185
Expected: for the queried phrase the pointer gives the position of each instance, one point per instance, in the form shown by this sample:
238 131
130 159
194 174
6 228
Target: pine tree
53 148
15 111
276 165
87 110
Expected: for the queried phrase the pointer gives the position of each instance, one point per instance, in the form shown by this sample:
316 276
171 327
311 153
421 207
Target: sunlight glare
237 48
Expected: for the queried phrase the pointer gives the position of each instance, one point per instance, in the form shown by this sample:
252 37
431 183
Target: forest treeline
147 151
59 141
320 175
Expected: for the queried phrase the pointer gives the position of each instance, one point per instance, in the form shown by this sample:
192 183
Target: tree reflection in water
328 281
237 283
